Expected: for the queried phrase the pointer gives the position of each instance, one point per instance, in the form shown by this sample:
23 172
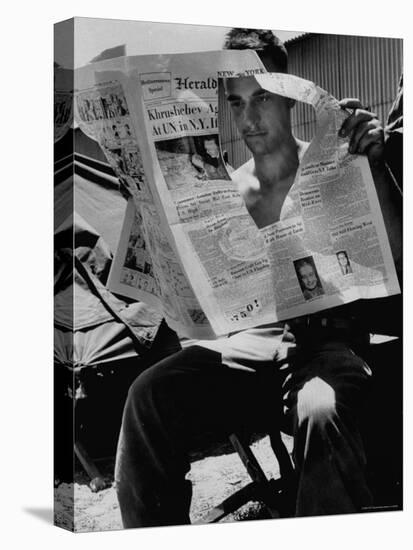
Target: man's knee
316 402
142 390
161 382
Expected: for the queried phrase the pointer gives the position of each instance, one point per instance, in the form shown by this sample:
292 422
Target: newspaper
63 102
188 246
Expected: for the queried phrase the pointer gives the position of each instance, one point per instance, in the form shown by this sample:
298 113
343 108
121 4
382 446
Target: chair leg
283 457
288 475
263 489
97 482
248 459
230 504
278 495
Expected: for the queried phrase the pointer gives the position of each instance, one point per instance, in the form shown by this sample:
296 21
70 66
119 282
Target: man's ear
291 102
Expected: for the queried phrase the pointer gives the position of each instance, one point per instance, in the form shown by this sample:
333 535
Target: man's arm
367 137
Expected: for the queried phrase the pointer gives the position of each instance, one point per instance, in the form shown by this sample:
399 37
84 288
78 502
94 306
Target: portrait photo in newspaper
256 276
308 277
344 262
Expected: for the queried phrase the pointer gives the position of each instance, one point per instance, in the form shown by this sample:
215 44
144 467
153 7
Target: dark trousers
192 392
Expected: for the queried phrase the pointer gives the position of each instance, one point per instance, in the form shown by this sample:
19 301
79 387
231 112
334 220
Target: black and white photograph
308 278
188 159
344 262
224 399
207 158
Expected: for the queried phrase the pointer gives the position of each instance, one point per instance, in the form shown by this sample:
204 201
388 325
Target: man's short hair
264 42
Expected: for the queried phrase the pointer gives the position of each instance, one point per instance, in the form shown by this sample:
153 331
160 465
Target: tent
102 341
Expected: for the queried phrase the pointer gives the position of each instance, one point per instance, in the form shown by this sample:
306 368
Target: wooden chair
278 495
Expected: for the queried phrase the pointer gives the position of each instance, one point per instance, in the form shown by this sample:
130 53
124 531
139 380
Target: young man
233 383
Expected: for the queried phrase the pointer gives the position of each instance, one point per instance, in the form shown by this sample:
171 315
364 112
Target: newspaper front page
189 247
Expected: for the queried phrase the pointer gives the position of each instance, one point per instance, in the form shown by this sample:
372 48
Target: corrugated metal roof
297 38
347 66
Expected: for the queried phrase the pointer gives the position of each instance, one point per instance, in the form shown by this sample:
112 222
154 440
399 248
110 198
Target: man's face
262 118
342 258
211 148
308 276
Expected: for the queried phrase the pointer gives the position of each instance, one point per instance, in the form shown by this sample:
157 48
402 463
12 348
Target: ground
213 477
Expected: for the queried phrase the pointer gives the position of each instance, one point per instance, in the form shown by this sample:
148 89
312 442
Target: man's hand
364 131
366 136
